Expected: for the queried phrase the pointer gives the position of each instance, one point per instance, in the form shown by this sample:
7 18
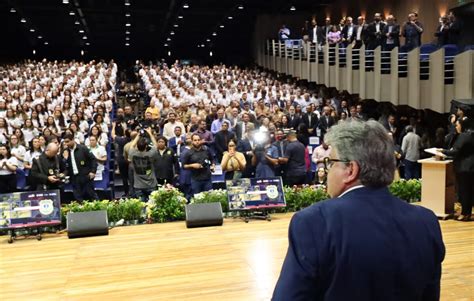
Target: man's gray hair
369 145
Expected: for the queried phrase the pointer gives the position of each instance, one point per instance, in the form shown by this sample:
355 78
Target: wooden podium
437 186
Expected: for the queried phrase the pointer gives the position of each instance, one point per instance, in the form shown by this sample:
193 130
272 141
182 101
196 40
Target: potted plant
165 204
212 196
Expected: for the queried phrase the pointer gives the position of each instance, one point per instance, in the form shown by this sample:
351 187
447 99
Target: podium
437 188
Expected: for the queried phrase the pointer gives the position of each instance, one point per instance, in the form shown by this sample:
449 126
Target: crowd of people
59 120
385 33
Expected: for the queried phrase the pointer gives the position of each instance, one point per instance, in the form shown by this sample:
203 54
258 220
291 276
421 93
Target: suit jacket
221 139
463 152
394 34
85 161
363 35
345 33
294 121
324 124
365 245
172 143
314 121
319 33
375 39
239 129
443 35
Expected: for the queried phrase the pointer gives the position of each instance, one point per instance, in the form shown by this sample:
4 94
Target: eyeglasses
328 162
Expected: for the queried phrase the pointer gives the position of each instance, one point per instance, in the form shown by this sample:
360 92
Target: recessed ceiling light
127 32
240 7
175 25
87 44
169 53
46 43
208 40
40 37
221 26
210 53
168 39
214 33
32 30
199 46
65 1
34 52
172 33
185 5
292 8
165 44
12 10
71 13
127 44
127 15
180 17
202 45
77 23
23 20
127 38
128 24
84 37
81 31
82 52
127 3
230 17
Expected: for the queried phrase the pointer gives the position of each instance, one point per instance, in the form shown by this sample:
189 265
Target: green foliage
131 209
213 196
166 204
408 190
300 198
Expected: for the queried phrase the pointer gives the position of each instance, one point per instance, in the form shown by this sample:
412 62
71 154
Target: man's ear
351 173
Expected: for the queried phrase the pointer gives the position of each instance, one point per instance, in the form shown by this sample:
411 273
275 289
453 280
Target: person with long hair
233 162
33 153
102 138
8 166
17 150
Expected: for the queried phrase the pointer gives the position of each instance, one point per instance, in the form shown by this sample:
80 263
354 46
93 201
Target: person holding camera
265 156
82 166
48 170
199 160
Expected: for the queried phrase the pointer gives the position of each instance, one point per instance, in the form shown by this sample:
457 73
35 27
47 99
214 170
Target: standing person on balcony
391 34
412 31
284 33
348 32
442 32
360 34
375 32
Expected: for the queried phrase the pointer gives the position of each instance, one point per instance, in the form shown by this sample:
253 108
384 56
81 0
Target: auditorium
237 150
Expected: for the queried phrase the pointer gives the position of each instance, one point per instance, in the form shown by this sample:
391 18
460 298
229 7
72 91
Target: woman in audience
78 135
51 125
17 150
8 166
99 122
233 162
101 138
334 36
29 131
100 155
33 153
321 178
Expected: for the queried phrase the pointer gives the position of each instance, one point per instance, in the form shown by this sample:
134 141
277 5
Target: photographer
48 170
265 156
294 159
199 160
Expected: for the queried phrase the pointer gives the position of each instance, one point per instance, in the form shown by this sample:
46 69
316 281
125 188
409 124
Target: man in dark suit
293 119
348 32
178 142
82 166
360 244
442 32
311 120
391 34
360 33
326 29
221 140
316 33
375 32
326 121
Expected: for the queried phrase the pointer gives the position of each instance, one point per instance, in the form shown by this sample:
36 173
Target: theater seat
450 50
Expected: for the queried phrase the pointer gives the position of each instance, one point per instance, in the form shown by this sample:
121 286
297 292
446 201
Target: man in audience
221 140
391 33
48 171
294 159
319 153
412 31
411 146
206 136
360 33
168 128
217 124
363 233
375 32
177 142
199 160
442 32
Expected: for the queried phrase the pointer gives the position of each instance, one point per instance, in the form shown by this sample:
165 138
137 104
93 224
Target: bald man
48 170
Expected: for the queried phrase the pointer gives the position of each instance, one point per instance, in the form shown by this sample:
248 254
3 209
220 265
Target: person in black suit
294 119
442 32
391 34
311 120
454 29
221 140
463 153
326 121
326 29
316 33
178 142
348 32
82 166
359 244
375 32
360 33
242 127
245 146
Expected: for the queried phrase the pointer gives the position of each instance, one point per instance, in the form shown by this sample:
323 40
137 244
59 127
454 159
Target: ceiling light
172 33
71 13
210 53
128 24
12 10
77 23
222 26
88 44
240 7
185 5
127 38
175 25
168 39
127 32
202 45
84 37
214 33
127 44
165 44
127 15
127 3
82 52
292 8
230 17
32 30
81 31
180 17
208 40
23 20
46 43
34 52
40 37
65 1
169 53
199 46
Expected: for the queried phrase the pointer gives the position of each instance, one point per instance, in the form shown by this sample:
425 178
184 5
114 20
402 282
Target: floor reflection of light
261 260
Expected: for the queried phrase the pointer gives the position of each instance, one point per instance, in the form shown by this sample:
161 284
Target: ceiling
97 29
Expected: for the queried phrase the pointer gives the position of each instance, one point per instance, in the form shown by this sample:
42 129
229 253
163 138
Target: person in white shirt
8 166
17 150
101 156
319 153
33 153
102 138
168 128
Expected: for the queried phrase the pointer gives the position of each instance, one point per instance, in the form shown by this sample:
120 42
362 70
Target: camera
63 179
206 163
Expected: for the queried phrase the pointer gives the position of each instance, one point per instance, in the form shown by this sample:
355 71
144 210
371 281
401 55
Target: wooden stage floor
169 262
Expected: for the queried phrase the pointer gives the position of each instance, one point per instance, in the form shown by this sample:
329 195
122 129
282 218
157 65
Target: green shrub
407 190
166 204
300 198
131 209
213 196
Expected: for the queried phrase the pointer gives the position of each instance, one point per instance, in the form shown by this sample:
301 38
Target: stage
237 261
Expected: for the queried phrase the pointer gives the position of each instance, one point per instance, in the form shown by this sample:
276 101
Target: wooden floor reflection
238 261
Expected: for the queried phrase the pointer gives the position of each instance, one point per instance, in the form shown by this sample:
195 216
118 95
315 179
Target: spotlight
34 52
32 30
168 39
128 24
175 25
23 20
12 10
81 31
65 1
208 40
84 37
40 37
127 44
127 15
185 5
214 33
230 17
82 52
127 32
127 38
172 33
77 23
88 44
165 44
222 26
292 8
180 17
202 45
210 53
169 53
127 2
240 7
71 13
46 43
